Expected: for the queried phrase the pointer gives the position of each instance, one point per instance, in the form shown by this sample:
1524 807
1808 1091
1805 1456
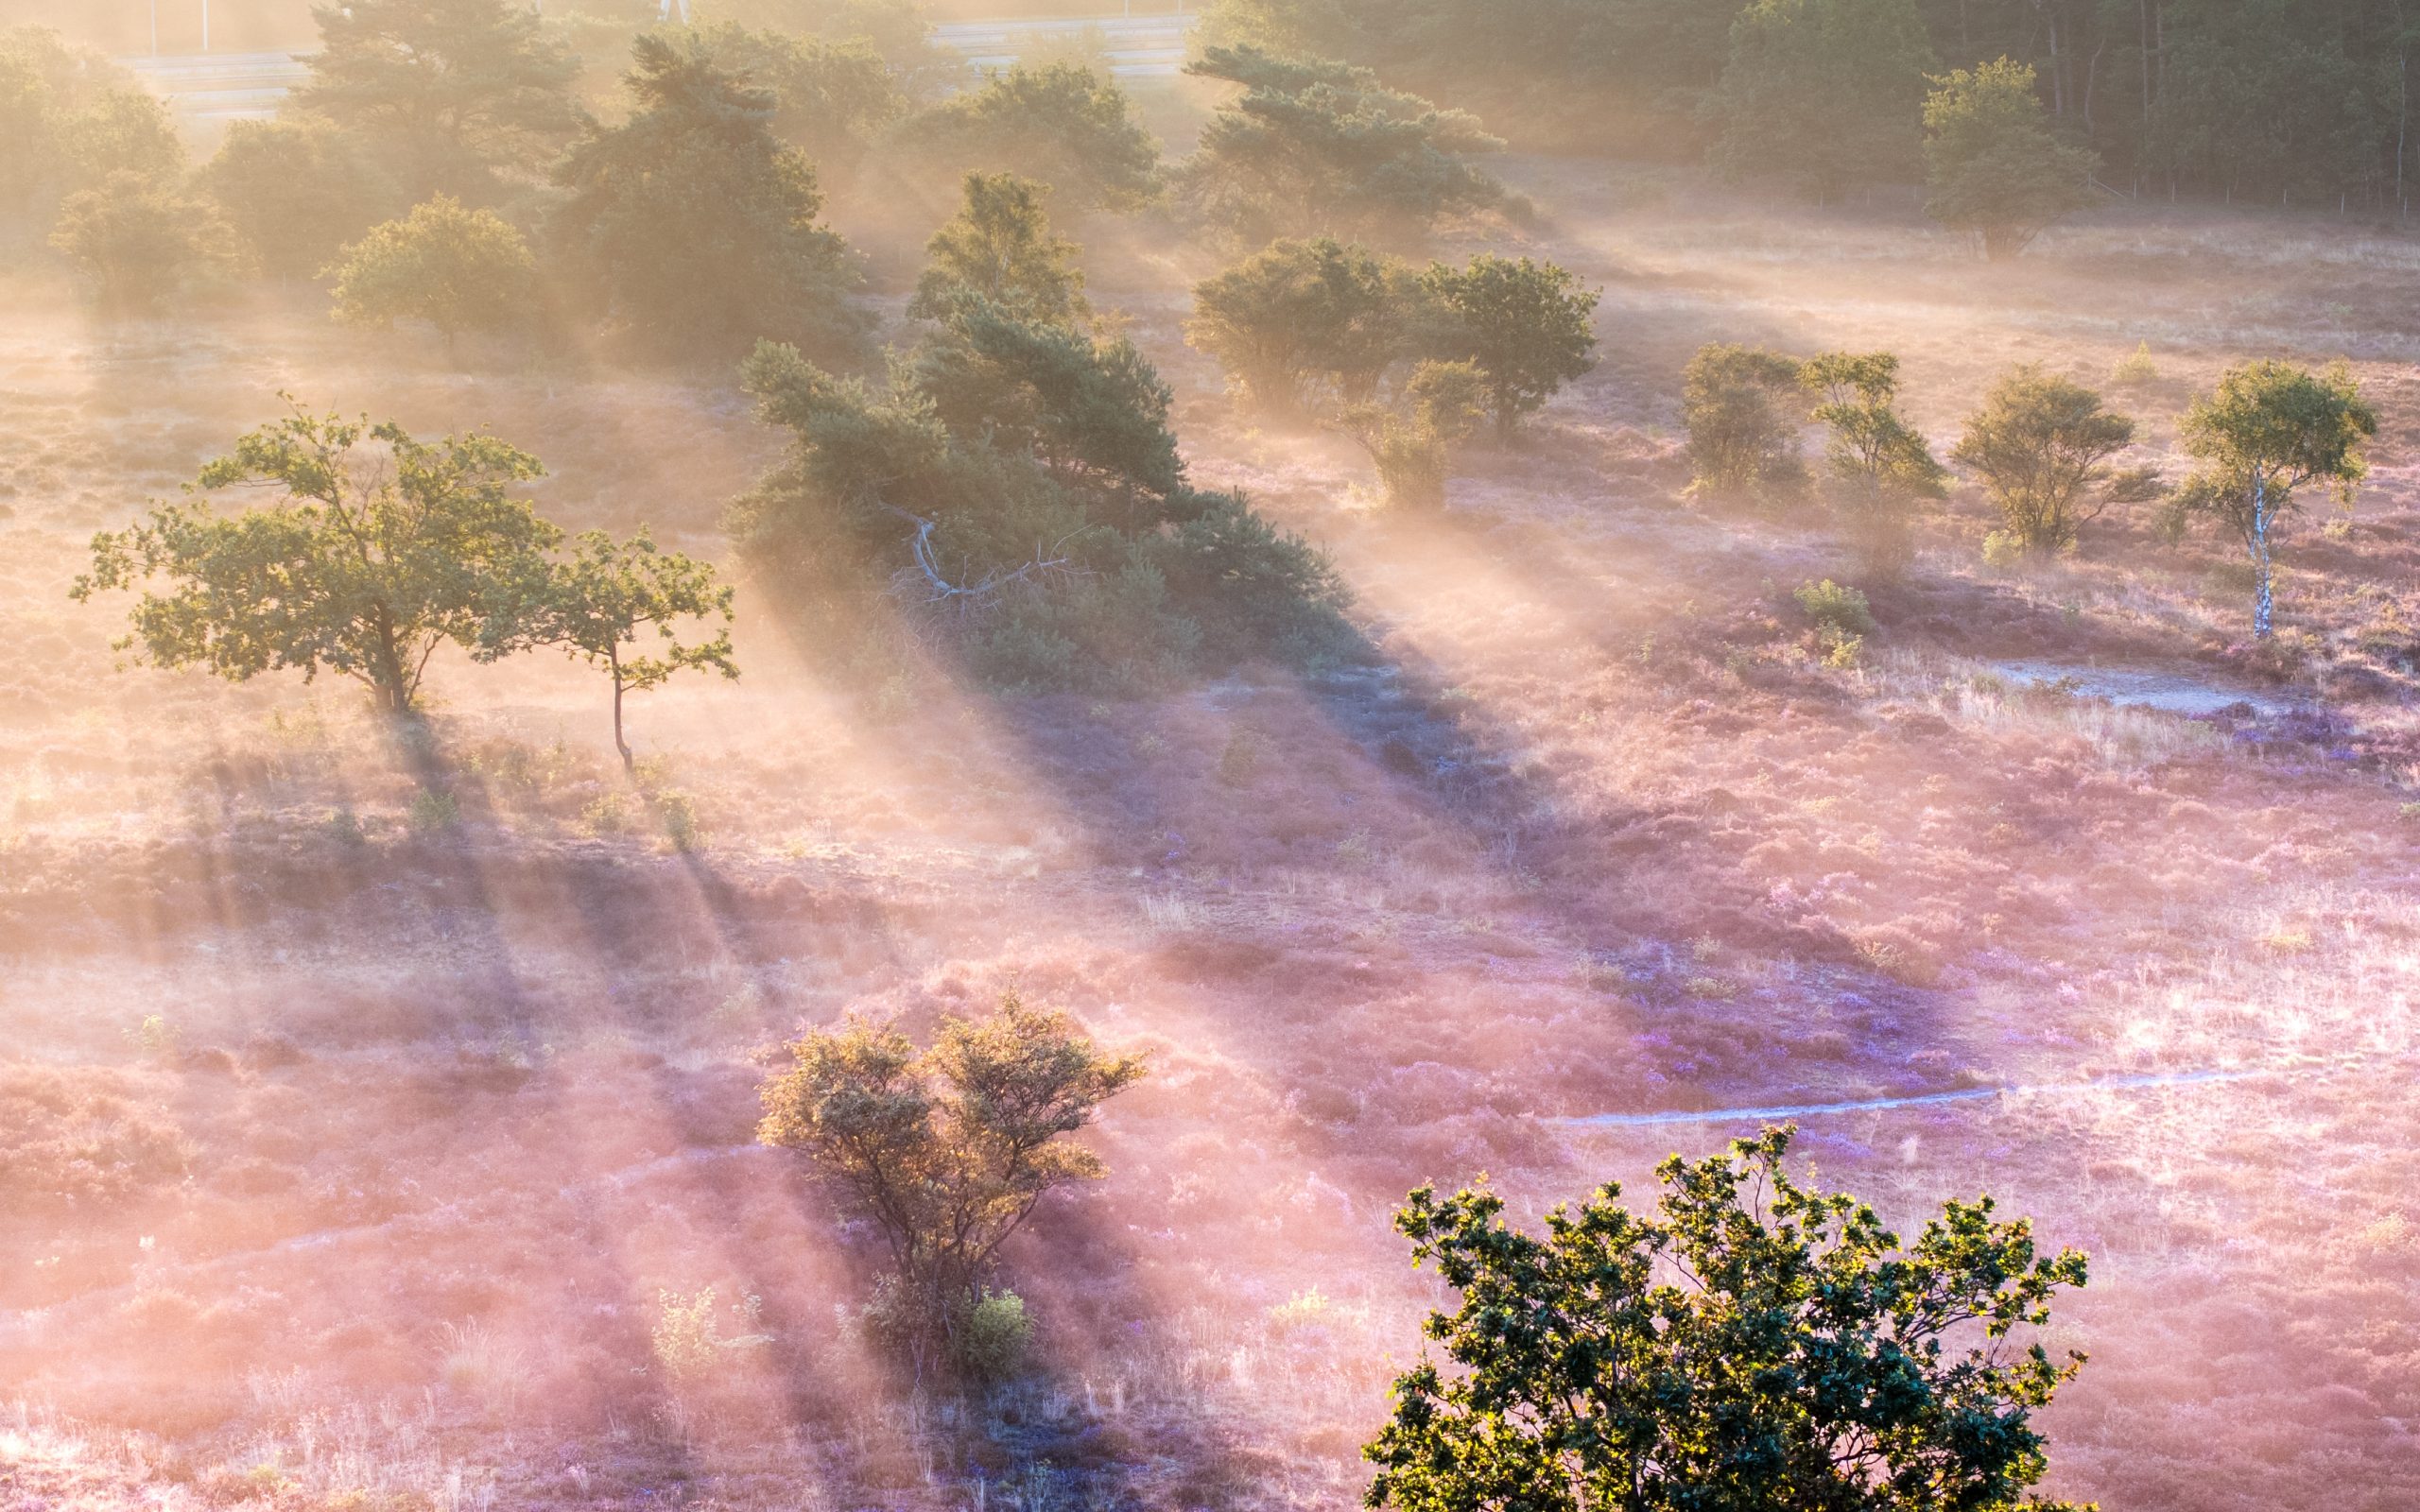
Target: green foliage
1301 323
596 604
1754 1344
693 223
896 29
691 1350
831 99
1879 466
947 1150
1438 407
1063 124
1821 94
69 119
1992 166
997 1336
2042 446
125 130
140 245
2137 370
1016 483
458 270
2271 430
1525 325
450 93
1829 603
295 191
1314 147
383 548
1740 404
999 249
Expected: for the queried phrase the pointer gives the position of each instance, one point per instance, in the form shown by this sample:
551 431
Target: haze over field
747 769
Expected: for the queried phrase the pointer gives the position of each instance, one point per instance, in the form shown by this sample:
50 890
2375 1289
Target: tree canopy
451 92
1743 411
831 99
999 247
1314 147
1299 324
1060 124
1753 1343
295 190
379 549
1881 467
139 243
1825 95
1992 166
1525 325
692 224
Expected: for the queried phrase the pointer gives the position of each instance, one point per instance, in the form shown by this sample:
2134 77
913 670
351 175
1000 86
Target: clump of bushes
1842 617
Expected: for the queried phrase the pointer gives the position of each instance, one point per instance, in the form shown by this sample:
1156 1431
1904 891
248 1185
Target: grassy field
378 1124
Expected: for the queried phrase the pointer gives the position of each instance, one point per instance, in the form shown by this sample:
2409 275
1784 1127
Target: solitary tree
1064 125
999 247
1741 406
295 191
1315 146
1753 1345
946 1150
1880 466
139 243
380 549
1992 166
694 223
2042 446
1825 94
458 270
1302 322
452 90
1525 324
2271 430
597 606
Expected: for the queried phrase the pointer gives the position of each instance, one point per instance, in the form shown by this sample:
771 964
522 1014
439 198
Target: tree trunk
2263 602
629 765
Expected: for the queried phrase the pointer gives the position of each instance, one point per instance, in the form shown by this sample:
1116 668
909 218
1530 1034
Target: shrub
1525 325
1829 603
1413 450
1303 323
996 1337
946 1150
2042 446
2137 369
1879 466
1741 406
139 244
457 269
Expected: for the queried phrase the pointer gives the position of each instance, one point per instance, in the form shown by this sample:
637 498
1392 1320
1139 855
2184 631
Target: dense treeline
2294 102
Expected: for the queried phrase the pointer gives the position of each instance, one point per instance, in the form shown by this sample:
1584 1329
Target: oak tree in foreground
946 1150
377 550
597 605
2270 431
1753 1345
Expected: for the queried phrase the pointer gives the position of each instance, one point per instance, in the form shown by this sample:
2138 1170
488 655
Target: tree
1826 93
139 243
458 270
382 549
1060 124
1991 167
946 1150
1742 439
124 130
295 191
2271 430
455 90
1315 146
830 98
999 247
1526 325
69 119
1754 1345
1302 322
695 224
595 605
2042 446
1880 466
